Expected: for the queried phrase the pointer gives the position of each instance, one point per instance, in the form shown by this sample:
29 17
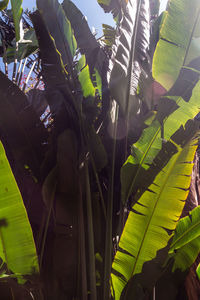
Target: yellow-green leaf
17 248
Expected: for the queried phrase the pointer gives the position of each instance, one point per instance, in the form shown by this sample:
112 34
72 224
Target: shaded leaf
20 126
86 41
3 4
132 41
97 149
60 30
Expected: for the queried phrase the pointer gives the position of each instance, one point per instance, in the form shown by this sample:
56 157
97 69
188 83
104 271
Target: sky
90 8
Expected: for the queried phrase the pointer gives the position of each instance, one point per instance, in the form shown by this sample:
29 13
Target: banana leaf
86 41
129 52
179 36
109 33
3 4
187 230
17 14
116 7
20 127
52 63
58 91
17 248
84 78
60 30
154 217
185 245
173 111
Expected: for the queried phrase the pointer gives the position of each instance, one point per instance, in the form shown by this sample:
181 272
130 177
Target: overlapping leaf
153 218
179 36
86 41
185 245
129 51
173 111
60 29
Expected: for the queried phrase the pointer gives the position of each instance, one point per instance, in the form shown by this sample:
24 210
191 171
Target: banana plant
76 162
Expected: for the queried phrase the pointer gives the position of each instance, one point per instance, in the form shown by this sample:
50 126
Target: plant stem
5 57
29 74
15 64
82 251
108 244
92 273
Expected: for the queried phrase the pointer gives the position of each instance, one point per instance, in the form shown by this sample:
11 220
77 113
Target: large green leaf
17 14
129 51
153 218
185 245
17 248
173 111
60 29
179 34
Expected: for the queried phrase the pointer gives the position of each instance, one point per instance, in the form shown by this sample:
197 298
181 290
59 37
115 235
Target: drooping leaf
109 35
173 111
153 218
185 245
116 7
129 51
60 30
17 248
86 41
178 34
17 14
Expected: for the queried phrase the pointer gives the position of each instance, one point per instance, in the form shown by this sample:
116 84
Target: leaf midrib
151 143
154 209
